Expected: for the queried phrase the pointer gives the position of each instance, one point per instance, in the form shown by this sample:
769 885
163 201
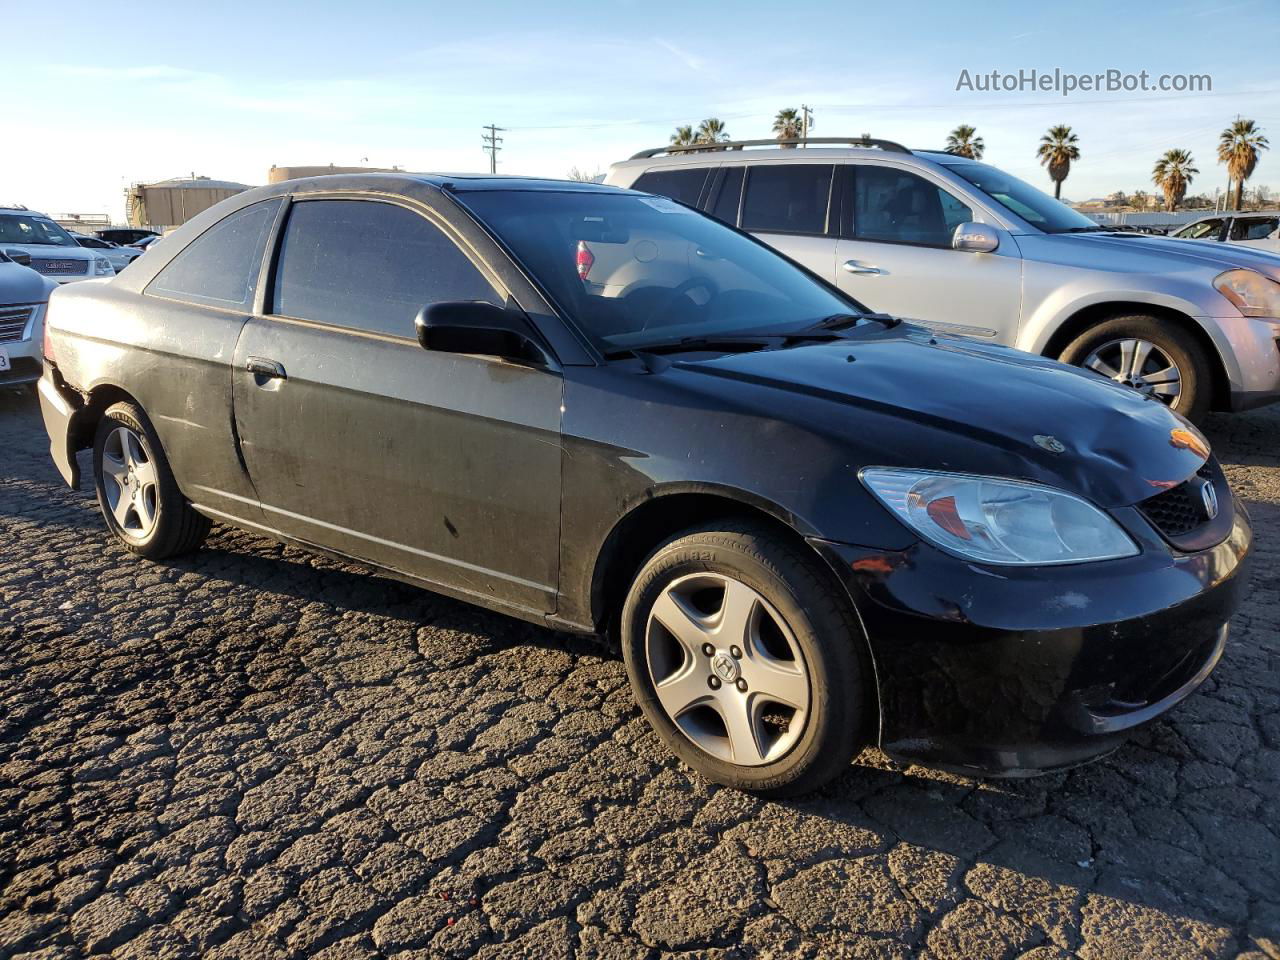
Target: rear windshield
1032 205
631 269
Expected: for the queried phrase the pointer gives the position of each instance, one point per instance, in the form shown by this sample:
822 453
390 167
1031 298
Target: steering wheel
696 282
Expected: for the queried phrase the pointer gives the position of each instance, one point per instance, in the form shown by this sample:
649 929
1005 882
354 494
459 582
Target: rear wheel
1154 357
137 493
746 660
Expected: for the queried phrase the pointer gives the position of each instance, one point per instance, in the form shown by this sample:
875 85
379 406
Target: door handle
853 266
266 369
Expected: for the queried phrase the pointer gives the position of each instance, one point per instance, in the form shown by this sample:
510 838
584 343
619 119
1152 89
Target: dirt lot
253 752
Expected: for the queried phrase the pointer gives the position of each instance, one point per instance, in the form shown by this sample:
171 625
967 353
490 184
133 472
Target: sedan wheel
139 498
130 482
747 659
727 670
1139 364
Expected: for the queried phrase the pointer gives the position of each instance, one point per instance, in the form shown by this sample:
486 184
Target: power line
491 141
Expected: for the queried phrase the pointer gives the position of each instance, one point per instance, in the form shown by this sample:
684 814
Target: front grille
60 268
1179 510
13 323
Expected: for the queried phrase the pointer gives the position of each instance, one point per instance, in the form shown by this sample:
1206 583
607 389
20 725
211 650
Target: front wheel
139 498
746 660
1155 357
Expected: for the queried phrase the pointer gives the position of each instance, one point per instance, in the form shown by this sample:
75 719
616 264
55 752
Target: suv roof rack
887 145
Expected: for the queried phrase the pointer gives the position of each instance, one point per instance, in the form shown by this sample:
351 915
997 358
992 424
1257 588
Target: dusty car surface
804 525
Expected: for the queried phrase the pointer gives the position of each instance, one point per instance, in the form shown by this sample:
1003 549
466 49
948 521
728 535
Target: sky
103 95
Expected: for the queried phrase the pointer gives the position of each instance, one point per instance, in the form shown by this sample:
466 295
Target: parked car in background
24 295
1260 229
145 243
119 256
808 527
53 251
124 236
964 248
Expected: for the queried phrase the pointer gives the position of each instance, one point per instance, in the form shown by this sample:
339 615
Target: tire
1101 343
155 521
803 622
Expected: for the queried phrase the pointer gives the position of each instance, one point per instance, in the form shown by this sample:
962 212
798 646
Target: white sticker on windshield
663 205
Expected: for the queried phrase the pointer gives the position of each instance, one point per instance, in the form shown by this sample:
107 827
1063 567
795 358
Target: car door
894 254
439 465
788 206
1261 232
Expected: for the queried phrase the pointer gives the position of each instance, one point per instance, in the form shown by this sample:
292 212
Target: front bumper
1251 348
1012 671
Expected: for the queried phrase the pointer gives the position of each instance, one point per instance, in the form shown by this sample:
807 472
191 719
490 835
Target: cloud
692 61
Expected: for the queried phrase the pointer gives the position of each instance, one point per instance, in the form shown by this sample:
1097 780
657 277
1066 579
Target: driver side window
895 206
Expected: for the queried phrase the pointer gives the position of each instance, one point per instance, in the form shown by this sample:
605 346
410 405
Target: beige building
171 203
279 174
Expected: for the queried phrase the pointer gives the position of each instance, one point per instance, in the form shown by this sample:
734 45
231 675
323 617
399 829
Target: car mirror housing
17 256
477 327
975 238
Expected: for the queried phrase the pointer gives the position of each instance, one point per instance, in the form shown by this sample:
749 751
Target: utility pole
805 112
491 141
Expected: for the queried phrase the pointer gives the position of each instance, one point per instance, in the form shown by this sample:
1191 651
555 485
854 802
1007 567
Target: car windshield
1032 205
633 270
21 228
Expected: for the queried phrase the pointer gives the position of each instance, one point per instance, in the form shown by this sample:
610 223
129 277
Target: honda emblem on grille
1210 498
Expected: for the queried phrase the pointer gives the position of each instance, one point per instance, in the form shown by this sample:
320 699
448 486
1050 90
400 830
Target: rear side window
680 184
787 198
220 267
1253 228
896 206
730 195
369 266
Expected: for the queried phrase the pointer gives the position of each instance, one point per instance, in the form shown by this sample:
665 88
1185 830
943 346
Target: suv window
220 267
368 265
787 197
896 206
1204 230
730 195
1253 228
681 184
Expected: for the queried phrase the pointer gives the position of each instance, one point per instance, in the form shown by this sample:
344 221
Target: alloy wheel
129 483
1139 364
726 669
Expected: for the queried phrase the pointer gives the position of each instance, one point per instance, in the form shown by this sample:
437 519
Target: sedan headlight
103 268
1252 294
990 520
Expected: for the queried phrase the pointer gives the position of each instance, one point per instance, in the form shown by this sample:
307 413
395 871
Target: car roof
32 213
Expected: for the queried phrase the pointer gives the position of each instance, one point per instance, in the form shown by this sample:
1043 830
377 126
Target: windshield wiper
1093 229
752 340
838 321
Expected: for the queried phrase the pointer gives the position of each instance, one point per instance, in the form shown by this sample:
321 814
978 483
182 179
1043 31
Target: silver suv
36 241
962 247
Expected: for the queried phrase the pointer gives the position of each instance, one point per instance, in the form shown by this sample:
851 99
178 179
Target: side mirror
17 256
478 327
975 238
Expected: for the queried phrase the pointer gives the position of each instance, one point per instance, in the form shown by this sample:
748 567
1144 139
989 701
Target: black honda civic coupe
809 527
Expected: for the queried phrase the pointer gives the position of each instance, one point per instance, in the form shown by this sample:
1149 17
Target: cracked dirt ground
253 752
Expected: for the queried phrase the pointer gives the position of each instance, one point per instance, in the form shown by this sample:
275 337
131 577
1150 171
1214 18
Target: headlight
103 268
998 521
1253 294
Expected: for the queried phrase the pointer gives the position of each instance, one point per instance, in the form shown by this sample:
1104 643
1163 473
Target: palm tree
788 125
1139 200
712 130
682 137
1172 174
1238 148
1057 150
962 142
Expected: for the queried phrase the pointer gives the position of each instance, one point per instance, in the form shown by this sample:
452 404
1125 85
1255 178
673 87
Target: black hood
911 399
